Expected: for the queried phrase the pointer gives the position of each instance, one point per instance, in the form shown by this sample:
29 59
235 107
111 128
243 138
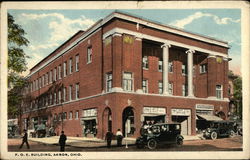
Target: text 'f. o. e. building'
124 71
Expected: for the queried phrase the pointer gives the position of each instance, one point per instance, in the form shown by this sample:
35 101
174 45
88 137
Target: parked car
157 134
219 129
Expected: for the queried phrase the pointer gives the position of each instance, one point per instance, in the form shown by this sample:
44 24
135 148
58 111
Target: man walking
119 137
62 141
25 139
108 137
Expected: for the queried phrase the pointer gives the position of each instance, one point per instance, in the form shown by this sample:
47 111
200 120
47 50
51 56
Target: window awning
209 117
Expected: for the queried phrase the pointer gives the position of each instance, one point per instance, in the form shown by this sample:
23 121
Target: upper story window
219 92
50 76
55 98
70 66
70 115
55 76
42 80
89 55
160 87
203 68
160 66
184 69
70 92
59 72
59 96
170 88
64 94
76 114
145 62
37 84
77 91
108 82
170 67
64 69
64 115
47 78
77 63
184 90
145 86
127 81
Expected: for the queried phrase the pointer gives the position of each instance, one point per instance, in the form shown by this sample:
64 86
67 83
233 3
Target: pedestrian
119 137
108 138
25 139
62 141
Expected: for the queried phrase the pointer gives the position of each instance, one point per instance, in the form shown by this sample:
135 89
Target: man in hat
62 141
25 139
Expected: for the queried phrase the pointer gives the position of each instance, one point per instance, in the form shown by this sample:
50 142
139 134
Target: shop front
182 116
153 115
204 114
89 122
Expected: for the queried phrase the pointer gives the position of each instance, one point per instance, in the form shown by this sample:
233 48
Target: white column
165 67
190 72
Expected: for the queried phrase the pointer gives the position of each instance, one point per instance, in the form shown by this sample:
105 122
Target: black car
162 133
219 129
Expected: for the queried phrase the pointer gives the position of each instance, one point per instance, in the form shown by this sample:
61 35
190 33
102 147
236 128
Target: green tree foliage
238 94
16 65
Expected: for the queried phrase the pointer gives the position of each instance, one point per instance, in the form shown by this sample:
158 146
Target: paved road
222 144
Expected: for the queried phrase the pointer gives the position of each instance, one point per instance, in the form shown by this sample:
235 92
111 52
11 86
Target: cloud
61 27
43 46
183 22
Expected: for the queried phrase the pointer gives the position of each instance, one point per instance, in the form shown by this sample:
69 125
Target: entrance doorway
185 122
107 121
128 126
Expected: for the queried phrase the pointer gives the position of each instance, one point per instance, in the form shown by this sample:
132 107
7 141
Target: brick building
124 71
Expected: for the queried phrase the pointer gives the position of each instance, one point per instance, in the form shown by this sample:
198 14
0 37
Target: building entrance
182 116
128 127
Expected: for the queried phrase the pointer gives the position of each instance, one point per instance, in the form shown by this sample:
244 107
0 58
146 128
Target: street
222 144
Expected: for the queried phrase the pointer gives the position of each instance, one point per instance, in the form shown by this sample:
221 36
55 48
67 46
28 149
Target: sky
48 29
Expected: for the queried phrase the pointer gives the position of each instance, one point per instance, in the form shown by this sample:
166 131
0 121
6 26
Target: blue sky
47 29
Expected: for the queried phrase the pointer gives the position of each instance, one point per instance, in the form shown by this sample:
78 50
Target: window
184 90
89 55
55 117
184 69
64 115
59 96
70 115
219 93
170 67
64 69
108 82
77 115
127 81
37 84
145 62
42 80
160 66
60 116
170 88
70 66
203 68
47 100
55 76
70 92
47 78
77 91
145 86
64 94
160 87
50 99
77 63
55 98
50 76
59 72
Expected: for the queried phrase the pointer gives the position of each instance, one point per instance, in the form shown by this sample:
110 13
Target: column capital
190 51
166 44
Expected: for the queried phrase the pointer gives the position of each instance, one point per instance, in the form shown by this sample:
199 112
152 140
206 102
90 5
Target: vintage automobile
219 129
161 133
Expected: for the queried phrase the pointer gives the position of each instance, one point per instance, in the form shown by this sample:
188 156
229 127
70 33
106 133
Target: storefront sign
204 107
89 112
154 110
181 112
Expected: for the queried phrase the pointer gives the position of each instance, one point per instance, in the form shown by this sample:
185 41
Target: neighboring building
124 71
233 109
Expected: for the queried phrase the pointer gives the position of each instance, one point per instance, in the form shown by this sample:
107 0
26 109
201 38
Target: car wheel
152 144
213 135
231 134
179 142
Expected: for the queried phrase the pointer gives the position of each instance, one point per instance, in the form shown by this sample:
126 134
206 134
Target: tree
16 65
238 95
